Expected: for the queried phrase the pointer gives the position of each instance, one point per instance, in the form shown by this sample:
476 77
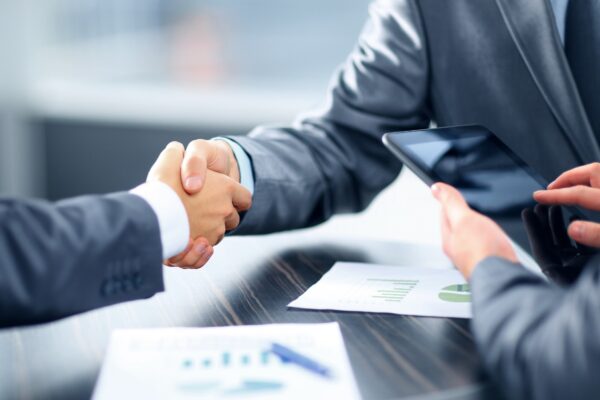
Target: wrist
505 253
234 169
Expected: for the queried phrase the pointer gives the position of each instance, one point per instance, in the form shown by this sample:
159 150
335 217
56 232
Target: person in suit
539 340
525 69
88 252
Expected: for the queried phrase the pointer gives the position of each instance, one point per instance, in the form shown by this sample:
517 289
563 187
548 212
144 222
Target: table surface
250 281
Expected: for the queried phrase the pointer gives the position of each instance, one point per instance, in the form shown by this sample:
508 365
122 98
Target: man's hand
581 187
551 247
211 212
468 237
203 155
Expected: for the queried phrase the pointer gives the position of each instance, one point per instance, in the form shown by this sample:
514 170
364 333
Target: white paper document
405 290
225 362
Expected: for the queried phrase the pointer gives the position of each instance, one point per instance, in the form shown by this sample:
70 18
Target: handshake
206 178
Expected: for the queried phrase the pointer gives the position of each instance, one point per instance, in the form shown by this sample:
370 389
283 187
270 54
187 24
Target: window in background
286 45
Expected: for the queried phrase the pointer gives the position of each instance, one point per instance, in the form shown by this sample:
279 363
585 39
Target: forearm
538 340
300 183
333 161
76 255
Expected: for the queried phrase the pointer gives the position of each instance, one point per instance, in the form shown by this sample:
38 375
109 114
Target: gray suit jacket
76 255
498 63
539 341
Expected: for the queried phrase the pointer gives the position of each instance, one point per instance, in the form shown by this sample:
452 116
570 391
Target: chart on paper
376 290
225 362
406 290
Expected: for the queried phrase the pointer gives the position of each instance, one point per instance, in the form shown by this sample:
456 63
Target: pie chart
460 293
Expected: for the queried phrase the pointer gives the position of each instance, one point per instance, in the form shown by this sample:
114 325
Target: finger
585 232
169 160
539 241
453 204
583 196
188 260
191 258
219 239
541 213
193 167
584 175
232 221
241 198
204 259
558 228
174 260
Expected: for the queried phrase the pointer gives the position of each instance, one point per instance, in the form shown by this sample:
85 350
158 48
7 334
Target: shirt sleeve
171 214
244 163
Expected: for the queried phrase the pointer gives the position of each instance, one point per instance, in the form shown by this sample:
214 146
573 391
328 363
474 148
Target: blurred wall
92 90
84 158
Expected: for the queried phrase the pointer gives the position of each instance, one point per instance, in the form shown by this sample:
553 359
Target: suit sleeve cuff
244 163
171 215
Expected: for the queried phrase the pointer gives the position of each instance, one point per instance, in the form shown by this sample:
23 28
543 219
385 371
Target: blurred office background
92 89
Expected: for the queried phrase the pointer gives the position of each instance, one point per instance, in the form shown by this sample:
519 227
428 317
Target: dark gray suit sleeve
333 160
540 341
76 255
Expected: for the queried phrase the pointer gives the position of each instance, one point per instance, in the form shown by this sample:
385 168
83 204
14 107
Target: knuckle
173 147
175 144
196 158
594 232
196 145
595 173
220 238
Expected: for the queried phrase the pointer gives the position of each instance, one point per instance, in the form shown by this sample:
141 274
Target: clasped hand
206 179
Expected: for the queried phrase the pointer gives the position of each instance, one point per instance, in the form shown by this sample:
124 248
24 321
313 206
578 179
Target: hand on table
468 237
211 212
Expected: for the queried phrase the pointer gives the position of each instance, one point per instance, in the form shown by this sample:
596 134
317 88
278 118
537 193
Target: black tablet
491 177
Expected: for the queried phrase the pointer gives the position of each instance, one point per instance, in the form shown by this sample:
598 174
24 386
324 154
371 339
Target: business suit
495 63
60 259
539 340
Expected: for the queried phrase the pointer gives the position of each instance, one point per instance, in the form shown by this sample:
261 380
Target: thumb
584 232
200 156
168 163
193 168
454 206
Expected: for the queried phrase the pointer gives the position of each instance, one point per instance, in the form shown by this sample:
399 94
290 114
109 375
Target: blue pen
288 355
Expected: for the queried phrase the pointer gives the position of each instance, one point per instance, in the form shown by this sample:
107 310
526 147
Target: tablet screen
493 179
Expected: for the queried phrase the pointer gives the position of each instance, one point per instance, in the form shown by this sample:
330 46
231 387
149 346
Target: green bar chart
391 290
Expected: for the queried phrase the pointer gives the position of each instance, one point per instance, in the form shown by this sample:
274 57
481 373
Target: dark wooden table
250 281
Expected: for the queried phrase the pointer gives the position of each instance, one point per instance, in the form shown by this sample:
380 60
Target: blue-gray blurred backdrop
91 90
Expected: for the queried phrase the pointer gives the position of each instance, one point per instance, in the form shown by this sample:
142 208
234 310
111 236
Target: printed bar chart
392 290
229 359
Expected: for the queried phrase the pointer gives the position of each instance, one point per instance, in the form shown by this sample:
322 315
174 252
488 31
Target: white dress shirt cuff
244 163
171 214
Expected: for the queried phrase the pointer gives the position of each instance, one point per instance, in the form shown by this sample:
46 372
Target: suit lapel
531 23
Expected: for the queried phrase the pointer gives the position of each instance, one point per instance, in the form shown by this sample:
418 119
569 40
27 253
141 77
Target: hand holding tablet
492 179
